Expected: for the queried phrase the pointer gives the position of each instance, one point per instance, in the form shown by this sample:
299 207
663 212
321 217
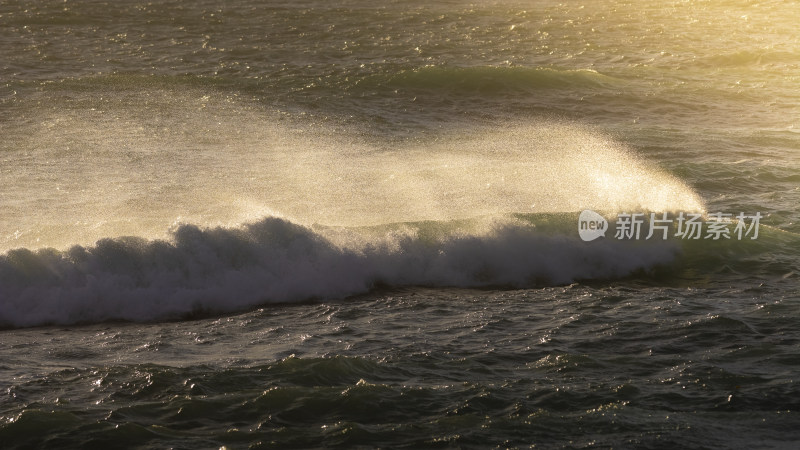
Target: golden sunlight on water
180 158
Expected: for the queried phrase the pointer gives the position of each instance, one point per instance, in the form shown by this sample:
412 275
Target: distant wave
275 260
495 79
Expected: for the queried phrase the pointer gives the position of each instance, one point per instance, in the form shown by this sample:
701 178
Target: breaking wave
212 270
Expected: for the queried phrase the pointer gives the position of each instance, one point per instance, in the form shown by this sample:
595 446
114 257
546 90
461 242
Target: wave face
275 260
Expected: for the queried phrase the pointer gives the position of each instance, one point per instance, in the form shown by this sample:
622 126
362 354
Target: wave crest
275 260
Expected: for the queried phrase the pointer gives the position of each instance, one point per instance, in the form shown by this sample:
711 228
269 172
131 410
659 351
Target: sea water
319 224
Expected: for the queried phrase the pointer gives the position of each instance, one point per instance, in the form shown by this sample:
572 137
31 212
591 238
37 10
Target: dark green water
622 366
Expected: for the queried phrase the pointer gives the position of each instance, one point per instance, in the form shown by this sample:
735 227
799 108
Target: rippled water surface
317 224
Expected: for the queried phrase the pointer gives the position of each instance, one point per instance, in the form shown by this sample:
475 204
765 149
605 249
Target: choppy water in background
396 186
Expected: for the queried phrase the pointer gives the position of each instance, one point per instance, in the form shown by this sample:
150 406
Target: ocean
451 224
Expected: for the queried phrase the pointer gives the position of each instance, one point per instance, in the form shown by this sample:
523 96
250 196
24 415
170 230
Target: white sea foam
274 260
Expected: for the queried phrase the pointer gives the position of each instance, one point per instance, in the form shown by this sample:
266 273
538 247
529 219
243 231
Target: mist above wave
86 167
